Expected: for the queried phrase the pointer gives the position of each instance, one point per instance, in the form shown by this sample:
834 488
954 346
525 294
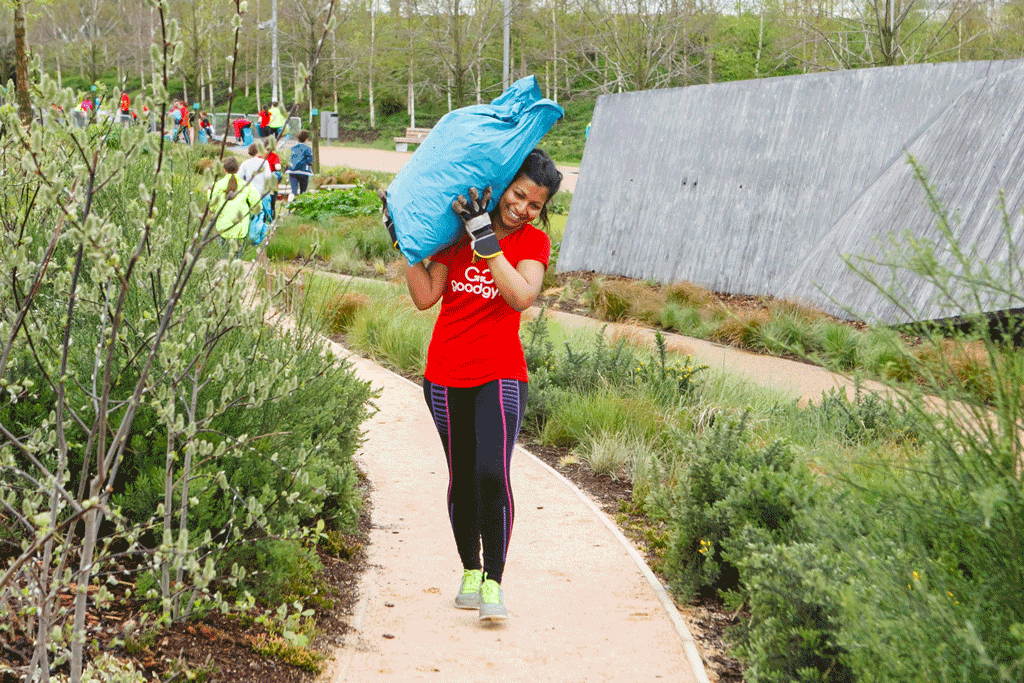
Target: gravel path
581 602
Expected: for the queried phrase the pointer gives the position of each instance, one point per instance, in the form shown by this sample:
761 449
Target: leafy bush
795 618
558 377
142 392
724 487
358 201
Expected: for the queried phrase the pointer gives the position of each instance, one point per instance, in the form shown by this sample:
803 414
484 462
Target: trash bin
328 125
247 135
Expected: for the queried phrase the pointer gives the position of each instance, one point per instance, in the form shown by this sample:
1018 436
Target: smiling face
520 204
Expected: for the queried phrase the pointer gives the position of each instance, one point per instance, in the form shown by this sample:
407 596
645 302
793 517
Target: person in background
232 203
205 127
256 171
274 161
264 117
300 166
181 118
277 119
125 108
475 381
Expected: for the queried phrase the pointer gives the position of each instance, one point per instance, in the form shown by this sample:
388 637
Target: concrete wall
761 187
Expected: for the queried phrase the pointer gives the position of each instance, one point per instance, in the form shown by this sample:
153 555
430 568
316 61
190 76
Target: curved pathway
581 607
392 162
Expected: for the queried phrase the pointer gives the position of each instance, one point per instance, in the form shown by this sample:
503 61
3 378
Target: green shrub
280 571
600 367
316 206
882 353
684 320
788 334
795 618
725 486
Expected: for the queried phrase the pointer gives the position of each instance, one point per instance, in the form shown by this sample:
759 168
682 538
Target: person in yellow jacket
277 119
232 204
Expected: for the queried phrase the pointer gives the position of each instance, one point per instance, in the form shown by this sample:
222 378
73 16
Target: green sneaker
469 591
492 601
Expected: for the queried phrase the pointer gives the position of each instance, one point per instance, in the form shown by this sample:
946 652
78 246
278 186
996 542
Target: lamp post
275 57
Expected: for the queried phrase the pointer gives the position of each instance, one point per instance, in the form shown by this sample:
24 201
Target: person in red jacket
475 382
125 107
264 122
275 168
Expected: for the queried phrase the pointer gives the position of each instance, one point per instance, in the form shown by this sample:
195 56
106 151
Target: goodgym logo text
476 281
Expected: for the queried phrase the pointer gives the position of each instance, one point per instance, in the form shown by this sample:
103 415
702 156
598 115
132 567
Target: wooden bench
413 136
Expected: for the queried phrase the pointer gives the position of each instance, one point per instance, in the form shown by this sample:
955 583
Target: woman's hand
477 223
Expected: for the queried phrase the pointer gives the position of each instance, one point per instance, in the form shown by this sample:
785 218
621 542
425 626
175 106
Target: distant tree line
394 52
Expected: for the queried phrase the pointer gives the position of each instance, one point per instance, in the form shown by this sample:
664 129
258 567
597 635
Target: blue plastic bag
258 228
476 146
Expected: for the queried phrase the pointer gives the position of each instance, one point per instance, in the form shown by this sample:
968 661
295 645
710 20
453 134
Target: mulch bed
219 648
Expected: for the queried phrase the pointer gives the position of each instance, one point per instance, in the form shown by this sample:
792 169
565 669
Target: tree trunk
411 96
760 44
554 55
479 71
373 55
21 64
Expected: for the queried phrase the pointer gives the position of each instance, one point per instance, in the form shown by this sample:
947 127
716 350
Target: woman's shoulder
532 235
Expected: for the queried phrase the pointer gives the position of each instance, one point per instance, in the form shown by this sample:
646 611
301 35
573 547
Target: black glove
386 217
477 223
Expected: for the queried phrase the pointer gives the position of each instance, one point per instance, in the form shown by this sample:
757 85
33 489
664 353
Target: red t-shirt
476 337
274 161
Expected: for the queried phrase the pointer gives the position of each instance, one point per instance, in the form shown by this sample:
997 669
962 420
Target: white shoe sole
472 602
494 617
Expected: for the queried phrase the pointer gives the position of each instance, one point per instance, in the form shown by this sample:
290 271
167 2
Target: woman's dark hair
231 167
540 168
303 135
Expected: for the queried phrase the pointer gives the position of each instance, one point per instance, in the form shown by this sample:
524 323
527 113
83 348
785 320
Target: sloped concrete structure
763 187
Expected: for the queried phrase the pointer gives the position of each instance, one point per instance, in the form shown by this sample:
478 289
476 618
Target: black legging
478 427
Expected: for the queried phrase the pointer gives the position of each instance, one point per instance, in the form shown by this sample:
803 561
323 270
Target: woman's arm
519 286
426 281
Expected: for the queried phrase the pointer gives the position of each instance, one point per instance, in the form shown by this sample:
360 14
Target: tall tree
456 32
21 63
643 44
